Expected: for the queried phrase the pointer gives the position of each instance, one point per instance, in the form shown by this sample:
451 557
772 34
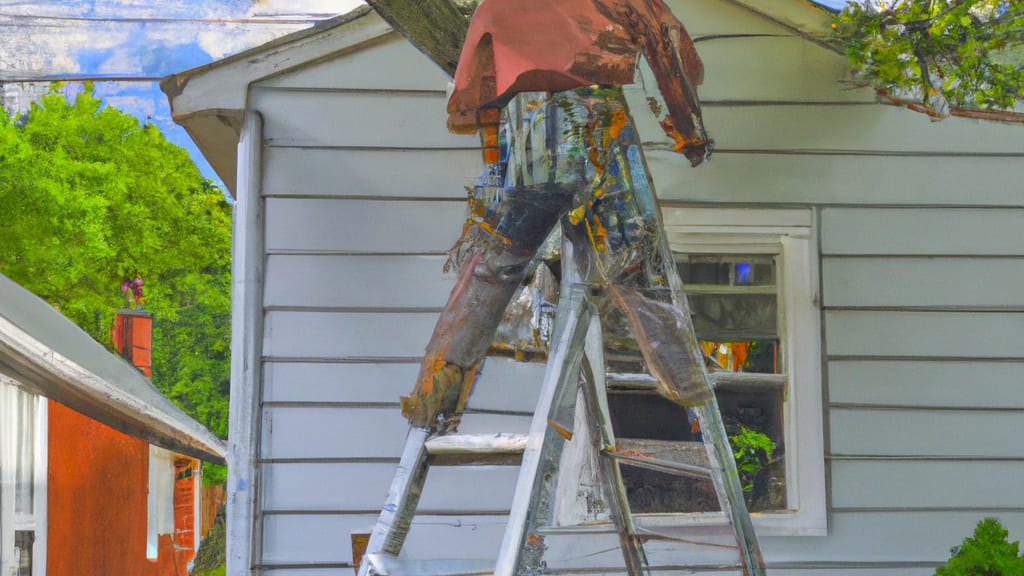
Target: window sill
782 523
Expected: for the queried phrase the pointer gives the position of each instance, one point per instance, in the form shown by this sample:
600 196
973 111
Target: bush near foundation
987 553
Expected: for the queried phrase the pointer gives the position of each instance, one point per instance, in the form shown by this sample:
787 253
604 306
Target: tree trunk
435 27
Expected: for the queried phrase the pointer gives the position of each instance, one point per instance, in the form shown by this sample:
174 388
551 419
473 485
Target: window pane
734 304
757 356
23 541
727 269
752 413
735 316
648 416
753 420
24 461
651 492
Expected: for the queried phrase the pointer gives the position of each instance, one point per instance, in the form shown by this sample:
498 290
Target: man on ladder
540 80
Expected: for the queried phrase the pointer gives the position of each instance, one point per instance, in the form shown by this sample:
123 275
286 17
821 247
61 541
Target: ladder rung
388 565
452 449
679 458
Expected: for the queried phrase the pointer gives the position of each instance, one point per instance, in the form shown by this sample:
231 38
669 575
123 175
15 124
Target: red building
100 474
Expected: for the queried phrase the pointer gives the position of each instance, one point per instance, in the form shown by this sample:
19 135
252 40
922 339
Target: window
160 500
22 481
751 282
734 302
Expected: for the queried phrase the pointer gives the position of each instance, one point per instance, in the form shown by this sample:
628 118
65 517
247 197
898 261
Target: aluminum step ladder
575 370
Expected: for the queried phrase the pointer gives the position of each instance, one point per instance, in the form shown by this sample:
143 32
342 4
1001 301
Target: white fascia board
209 101
807 19
46 354
223 84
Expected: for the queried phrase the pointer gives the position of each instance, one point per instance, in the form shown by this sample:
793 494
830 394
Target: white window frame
9 521
789 233
159 499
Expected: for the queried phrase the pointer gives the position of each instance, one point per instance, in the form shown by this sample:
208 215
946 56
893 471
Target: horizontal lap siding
502 385
925 334
922 382
924 231
409 173
333 225
927 484
785 178
324 538
353 286
360 487
925 372
919 282
364 195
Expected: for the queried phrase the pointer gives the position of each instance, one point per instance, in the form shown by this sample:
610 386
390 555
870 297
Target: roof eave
804 18
46 354
209 101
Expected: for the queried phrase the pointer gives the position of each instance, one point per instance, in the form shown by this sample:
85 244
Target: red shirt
517 46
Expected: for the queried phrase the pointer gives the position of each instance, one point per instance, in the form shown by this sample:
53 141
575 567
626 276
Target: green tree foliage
987 553
88 198
938 56
753 451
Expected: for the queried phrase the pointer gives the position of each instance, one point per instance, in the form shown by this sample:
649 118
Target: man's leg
477 303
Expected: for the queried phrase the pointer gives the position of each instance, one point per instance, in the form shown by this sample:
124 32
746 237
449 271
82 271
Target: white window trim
788 233
8 522
159 499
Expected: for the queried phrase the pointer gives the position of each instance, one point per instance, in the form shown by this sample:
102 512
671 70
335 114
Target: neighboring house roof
209 101
49 355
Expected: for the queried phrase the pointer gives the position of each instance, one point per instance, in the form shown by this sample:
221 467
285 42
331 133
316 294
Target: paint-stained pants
571 156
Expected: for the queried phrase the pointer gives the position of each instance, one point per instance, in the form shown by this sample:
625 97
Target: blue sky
140 41
137 42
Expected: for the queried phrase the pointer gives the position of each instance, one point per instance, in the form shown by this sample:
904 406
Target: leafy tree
940 57
89 198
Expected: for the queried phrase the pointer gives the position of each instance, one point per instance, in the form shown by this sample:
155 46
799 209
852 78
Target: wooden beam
436 27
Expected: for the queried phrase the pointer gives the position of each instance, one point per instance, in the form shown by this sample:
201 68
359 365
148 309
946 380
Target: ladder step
388 565
679 458
455 449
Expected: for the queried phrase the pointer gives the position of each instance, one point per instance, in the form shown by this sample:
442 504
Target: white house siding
364 193
919 227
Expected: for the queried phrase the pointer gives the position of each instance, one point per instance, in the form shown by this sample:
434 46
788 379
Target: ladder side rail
716 441
519 553
403 497
602 437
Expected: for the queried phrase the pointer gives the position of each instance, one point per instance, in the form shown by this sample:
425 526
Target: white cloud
137 106
270 7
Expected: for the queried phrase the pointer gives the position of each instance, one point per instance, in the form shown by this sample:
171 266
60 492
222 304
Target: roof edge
173 85
51 356
805 18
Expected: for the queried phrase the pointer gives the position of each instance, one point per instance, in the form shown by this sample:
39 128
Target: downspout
243 532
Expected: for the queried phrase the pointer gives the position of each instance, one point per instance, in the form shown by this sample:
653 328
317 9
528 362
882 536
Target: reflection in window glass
24 462
23 542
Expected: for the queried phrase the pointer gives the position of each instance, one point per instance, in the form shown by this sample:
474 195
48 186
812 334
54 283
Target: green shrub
987 553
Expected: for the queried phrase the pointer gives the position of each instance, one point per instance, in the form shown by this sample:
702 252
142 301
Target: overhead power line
289 19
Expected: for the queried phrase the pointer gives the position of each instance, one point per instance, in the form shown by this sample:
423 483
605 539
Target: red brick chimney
133 338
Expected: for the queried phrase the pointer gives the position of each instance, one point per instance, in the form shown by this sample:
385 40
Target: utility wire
283 20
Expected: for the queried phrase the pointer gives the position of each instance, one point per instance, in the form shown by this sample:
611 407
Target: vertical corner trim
243 532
